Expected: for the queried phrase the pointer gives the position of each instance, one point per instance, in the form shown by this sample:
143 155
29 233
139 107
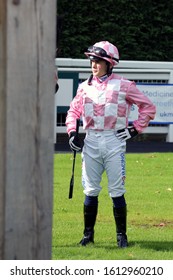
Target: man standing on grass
104 102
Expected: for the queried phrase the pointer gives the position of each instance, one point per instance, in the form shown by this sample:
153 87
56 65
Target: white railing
140 71
136 70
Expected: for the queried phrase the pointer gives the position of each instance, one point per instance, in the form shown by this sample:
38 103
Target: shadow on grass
154 245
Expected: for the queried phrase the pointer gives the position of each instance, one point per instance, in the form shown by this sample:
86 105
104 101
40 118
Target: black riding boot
120 215
90 213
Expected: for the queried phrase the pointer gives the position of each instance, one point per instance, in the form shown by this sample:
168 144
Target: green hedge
142 30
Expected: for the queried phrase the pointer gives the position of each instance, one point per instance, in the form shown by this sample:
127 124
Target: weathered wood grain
26 133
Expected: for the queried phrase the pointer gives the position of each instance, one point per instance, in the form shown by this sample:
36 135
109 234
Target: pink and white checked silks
106 105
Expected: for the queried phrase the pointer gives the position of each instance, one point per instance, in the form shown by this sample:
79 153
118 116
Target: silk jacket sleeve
146 109
74 111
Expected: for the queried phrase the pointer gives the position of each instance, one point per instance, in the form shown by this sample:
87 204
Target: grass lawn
149 196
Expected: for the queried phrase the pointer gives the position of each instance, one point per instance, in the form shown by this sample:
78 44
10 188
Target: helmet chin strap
90 79
109 68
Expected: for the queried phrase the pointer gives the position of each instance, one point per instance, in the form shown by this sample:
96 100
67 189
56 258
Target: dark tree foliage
141 29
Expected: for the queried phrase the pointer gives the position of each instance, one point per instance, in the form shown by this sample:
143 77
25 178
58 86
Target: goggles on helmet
95 58
101 52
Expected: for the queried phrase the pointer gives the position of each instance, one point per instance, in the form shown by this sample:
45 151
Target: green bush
142 30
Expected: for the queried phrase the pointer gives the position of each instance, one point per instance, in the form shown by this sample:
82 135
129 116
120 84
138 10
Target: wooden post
27 49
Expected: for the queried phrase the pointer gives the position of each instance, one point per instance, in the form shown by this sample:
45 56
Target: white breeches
102 151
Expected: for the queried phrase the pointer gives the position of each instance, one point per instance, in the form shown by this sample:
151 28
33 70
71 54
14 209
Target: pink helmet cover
110 50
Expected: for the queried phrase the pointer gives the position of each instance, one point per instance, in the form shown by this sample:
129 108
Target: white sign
65 93
162 97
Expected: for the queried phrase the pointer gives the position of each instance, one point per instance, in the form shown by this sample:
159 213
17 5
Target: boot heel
87 239
122 240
